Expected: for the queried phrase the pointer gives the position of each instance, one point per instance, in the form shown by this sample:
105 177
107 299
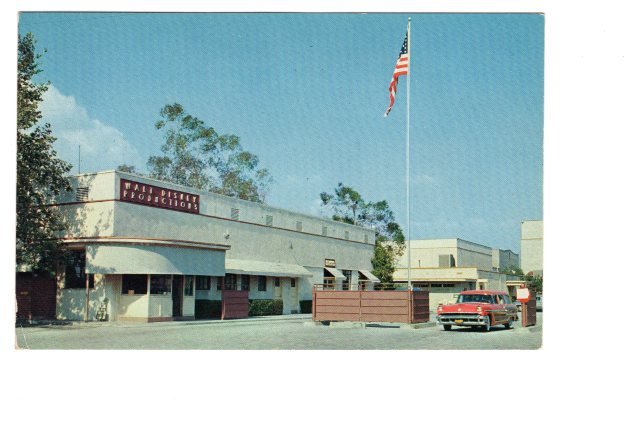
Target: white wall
532 246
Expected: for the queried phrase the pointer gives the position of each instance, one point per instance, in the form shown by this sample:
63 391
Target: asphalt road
269 334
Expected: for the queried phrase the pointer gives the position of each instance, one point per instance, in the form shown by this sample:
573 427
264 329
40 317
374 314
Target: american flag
401 68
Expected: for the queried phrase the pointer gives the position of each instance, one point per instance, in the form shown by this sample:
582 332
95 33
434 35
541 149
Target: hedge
265 307
305 306
207 309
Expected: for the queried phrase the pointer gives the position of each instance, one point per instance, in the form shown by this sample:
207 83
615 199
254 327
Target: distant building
532 246
446 267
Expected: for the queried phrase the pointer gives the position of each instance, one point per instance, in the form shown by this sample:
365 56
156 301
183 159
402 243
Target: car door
498 309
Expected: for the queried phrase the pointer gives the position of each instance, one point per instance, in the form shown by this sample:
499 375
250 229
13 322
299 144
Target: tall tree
349 206
41 176
197 156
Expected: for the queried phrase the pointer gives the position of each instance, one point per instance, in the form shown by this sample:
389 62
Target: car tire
447 327
486 325
509 323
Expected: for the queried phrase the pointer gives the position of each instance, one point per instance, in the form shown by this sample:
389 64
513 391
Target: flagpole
407 157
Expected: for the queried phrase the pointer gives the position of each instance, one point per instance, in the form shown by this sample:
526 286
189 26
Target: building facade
532 246
146 250
445 267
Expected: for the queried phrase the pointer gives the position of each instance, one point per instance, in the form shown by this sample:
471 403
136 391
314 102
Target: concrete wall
70 302
504 259
532 246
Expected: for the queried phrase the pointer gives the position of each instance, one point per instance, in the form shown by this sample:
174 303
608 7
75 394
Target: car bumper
462 320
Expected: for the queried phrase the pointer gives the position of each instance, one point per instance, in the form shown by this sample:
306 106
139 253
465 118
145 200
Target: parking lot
270 333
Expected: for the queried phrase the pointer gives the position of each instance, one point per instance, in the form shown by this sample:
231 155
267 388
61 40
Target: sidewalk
129 324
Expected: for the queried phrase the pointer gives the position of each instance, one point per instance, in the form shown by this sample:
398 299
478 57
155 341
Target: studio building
145 250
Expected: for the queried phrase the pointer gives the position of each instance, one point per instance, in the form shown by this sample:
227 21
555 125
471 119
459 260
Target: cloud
102 147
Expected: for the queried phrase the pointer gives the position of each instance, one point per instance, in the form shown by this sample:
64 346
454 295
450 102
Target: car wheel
447 327
486 325
509 323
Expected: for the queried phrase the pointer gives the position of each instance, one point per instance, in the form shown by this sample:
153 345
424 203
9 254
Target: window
436 285
234 213
299 226
188 285
75 276
448 285
269 220
245 282
134 284
202 283
261 283
347 280
230 282
277 282
293 282
160 284
220 283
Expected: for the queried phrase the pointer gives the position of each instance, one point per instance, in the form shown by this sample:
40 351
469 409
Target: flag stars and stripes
401 68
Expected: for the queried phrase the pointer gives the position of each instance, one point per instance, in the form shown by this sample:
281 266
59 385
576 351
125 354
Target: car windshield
474 298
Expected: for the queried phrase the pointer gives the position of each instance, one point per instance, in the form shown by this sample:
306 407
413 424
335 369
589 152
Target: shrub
207 309
305 306
265 307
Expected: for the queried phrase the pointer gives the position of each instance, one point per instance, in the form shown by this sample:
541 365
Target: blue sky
307 93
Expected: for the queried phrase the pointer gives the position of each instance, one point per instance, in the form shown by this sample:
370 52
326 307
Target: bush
305 306
265 307
207 309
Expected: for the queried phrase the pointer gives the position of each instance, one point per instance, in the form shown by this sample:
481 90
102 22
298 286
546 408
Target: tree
197 156
349 206
41 176
130 169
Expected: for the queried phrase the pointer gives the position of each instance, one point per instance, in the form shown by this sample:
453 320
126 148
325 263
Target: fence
370 306
529 313
234 304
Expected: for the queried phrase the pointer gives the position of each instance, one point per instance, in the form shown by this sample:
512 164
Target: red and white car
479 308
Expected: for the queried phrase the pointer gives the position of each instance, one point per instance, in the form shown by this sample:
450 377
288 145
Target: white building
149 250
446 267
532 246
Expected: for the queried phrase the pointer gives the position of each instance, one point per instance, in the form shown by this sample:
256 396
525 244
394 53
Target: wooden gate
529 313
35 296
234 304
370 306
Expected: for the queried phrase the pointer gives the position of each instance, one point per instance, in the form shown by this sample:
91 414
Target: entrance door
176 295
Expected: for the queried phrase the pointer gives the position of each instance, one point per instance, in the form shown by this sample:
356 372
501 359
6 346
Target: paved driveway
288 332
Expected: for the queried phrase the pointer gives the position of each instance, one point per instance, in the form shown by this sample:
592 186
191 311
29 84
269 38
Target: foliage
512 270
305 306
41 176
130 169
265 307
348 206
534 282
207 309
197 156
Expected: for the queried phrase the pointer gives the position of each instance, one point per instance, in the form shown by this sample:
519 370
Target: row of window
268 221
162 284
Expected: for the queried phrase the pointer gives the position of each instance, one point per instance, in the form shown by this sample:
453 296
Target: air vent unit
269 220
234 214
299 226
82 194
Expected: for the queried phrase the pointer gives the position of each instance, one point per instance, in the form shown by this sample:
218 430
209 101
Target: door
176 295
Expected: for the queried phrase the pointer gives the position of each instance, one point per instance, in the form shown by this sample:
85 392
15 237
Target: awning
335 273
148 259
368 275
264 268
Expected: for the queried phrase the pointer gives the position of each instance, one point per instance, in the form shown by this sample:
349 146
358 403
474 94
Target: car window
506 299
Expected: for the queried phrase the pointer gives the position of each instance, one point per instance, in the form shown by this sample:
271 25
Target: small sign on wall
330 262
